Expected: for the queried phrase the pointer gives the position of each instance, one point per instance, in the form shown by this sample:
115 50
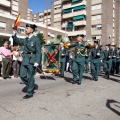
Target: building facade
9 10
96 19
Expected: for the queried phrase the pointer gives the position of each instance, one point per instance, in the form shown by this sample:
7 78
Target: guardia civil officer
107 61
31 58
96 54
79 59
63 55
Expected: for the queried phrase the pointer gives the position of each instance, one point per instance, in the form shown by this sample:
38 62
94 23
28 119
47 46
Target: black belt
29 52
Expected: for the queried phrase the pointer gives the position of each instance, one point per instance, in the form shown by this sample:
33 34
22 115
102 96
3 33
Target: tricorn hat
80 35
33 26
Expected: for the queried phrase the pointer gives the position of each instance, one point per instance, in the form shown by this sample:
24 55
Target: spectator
6 59
0 62
16 64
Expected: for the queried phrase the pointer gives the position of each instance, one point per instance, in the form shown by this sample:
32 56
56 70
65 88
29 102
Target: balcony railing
70 5
5 3
75 13
94 2
75 33
96 32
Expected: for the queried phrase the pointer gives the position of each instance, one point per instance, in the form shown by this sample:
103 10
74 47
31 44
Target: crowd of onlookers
10 60
11 57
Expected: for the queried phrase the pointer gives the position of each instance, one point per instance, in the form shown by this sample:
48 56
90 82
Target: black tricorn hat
96 41
33 26
80 35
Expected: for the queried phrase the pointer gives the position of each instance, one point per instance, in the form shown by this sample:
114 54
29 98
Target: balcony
75 33
57 11
15 8
76 23
94 2
96 12
57 2
71 5
72 14
5 3
4 12
96 32
96 22
49 16
57 19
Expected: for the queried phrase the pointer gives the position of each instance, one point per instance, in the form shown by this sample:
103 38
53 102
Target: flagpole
47 22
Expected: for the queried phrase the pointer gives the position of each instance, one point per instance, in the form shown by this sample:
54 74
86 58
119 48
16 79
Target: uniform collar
30 36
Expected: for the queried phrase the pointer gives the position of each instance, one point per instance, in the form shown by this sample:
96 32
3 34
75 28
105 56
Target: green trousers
62 68
107 68
27 75
6 67
95 67
77 69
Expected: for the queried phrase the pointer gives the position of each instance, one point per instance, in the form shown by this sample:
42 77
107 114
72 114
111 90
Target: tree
41 37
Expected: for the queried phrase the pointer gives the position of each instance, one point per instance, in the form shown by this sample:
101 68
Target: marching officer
117 60
113 51
107 61
87 59
79 59
96 54
31 58
63 54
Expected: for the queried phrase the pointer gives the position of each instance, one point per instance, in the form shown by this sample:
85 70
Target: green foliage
41 37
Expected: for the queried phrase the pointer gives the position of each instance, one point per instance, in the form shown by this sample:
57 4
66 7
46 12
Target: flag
17 22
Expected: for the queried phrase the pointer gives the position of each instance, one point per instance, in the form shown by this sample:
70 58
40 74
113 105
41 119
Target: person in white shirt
16 65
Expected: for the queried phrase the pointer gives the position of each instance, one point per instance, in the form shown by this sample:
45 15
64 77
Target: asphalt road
57 99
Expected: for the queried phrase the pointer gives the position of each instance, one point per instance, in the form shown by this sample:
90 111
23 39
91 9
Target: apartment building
96 19
9 10
43 17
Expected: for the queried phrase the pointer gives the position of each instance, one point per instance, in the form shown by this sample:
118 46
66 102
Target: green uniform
117 61
31 55
113 61
95 62
107 62
79 61
87 60
63 54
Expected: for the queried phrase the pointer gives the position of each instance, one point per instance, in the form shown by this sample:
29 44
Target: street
56 98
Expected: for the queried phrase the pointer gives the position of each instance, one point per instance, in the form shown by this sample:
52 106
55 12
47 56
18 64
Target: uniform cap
80 35
33 26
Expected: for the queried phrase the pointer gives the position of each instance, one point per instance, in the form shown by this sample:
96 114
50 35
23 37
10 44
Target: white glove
14 32
98 53
36 64
101 60
63 54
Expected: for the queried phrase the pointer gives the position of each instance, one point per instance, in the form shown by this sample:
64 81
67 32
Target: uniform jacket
30 45
79 51
63 55
94 57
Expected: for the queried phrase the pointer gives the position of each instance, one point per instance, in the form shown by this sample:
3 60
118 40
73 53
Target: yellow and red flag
17 22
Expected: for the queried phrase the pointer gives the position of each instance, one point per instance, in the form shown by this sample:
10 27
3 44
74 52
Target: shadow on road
112 103
67 79
115 80
25 88
47 78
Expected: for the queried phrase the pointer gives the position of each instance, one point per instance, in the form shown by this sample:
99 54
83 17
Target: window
57 15
2 26
57 23
21 30
96 17
96 27
57 7
96 7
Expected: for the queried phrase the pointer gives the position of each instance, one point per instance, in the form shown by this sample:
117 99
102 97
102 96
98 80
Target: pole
47 22
65 31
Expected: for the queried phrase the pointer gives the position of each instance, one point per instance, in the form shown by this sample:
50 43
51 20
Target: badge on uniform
31 43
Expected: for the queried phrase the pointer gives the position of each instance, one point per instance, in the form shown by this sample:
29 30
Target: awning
74 1
67 10
79 17
79 7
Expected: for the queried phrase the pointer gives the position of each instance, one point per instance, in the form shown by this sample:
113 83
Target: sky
38 5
